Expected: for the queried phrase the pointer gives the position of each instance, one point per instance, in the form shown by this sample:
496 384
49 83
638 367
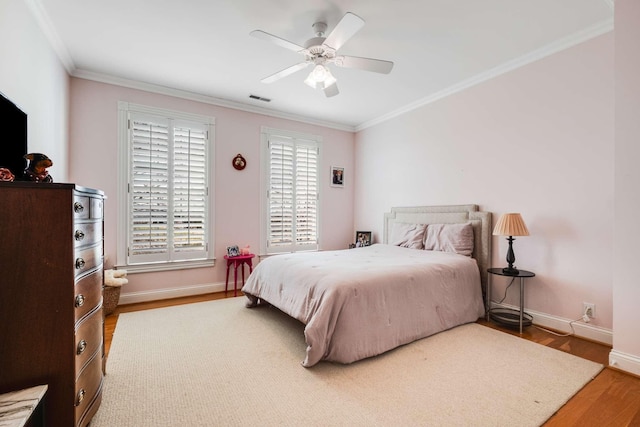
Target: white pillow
456 238
407 235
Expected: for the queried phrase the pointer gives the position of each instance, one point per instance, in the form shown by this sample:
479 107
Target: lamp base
510 271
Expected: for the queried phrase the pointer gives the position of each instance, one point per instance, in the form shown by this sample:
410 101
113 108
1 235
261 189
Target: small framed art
233 251
337 176
363 238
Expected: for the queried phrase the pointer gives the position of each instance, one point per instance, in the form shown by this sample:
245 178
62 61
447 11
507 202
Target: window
291 191
164 189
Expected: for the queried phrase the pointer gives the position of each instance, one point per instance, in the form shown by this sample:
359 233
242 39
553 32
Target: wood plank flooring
611 399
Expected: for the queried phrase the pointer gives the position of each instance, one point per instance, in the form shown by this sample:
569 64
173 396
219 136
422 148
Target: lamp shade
510 224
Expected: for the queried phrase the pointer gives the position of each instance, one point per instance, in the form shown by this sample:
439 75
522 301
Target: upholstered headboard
452 214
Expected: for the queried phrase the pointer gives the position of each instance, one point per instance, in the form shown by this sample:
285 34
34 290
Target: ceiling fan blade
332 90
368 64
284 73
346 28
277 40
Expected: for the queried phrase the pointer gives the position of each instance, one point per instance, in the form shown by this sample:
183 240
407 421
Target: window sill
165 266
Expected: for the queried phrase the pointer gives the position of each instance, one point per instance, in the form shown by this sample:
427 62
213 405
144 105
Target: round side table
507 316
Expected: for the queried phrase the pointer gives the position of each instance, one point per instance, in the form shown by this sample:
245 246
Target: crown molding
205 99
552 48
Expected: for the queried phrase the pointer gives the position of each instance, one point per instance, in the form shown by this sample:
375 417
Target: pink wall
93 133
626 289
537 140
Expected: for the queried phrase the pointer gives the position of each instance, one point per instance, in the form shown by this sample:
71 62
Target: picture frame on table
233 250
363 238
337 177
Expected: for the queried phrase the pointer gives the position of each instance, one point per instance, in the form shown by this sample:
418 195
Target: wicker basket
111 298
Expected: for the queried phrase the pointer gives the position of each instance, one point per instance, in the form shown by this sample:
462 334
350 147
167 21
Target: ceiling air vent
259 98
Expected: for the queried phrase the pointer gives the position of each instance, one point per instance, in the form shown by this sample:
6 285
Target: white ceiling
203 47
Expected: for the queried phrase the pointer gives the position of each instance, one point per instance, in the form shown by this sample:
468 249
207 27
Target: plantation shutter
292 195
189 189
306 195
168 194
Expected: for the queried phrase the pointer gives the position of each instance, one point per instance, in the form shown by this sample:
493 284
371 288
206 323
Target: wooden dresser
51 279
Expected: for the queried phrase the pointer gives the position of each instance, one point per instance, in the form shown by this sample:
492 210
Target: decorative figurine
6 175
37 169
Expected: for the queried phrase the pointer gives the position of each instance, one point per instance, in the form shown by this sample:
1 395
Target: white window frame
201 259
303 138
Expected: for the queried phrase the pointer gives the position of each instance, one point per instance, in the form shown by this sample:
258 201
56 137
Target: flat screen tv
13 142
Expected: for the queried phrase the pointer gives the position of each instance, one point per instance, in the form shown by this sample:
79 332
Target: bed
358 303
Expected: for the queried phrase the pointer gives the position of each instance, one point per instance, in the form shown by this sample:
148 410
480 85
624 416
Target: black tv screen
13 142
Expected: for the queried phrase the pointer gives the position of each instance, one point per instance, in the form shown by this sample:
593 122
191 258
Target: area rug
218 363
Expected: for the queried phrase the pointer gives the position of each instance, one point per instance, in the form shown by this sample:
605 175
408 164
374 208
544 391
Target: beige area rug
218 363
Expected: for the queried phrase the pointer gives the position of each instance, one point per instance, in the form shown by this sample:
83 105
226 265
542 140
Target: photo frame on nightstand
363 238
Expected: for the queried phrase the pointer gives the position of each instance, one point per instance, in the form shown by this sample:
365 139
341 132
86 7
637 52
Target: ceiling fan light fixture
320 77
320 51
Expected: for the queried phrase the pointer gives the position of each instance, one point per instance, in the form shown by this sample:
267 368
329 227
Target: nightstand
507 316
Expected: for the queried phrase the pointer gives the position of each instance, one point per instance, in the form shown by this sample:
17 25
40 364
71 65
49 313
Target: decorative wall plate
239 162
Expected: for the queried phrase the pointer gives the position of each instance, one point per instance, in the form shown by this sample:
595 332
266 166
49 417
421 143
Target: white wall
32 77
94 142
537 140
626 284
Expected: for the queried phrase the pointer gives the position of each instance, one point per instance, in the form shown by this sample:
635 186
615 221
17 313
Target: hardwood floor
611 399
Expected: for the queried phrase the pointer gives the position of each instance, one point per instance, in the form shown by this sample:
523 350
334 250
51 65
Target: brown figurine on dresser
51 278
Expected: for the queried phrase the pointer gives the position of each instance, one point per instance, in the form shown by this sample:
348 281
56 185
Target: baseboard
625 362
560 324
168 293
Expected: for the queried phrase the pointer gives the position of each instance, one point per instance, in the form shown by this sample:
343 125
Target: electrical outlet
589 310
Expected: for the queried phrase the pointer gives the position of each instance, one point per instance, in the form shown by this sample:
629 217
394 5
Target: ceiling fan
320 51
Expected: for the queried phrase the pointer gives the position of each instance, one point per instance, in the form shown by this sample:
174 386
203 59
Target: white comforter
361 302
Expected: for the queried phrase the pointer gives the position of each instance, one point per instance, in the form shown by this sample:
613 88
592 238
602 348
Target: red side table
238 261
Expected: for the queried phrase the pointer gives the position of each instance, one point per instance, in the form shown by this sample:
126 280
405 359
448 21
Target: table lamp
510 224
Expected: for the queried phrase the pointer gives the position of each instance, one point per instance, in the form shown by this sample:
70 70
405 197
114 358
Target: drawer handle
82 346
80 397
77 207
79 235
79 263
79 300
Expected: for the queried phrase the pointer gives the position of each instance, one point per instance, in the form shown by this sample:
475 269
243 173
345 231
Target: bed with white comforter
358 303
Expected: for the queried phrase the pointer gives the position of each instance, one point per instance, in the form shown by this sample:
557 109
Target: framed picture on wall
337 176
363 238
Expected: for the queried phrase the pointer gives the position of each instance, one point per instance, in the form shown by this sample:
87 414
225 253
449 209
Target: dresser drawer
90 410
96 208
81 207
86 233
88 294
88 385
88 339
85 207
87 259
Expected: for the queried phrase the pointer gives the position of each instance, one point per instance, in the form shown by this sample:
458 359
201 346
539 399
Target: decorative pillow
407 235
456 238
